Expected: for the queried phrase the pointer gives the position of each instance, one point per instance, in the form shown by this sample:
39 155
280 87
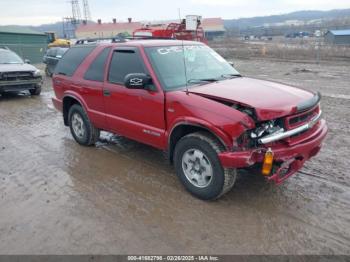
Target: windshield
8 57
201 62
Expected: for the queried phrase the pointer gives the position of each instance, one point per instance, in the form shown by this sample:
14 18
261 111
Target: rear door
134 113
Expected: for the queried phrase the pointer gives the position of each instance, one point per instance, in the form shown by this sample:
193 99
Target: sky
36 12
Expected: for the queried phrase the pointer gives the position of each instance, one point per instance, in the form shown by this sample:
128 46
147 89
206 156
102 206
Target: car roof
5 50
145 43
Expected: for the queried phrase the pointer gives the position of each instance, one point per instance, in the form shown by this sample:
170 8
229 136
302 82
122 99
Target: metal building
213 28
338 37
26 42
101 30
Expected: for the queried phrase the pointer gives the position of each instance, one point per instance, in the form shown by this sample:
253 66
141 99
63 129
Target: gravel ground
120 196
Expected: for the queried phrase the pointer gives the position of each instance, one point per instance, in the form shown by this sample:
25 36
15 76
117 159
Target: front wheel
36 91
198 166
80 126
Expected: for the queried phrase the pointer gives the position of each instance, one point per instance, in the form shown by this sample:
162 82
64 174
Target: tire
36 91
88 134
48 71
189 149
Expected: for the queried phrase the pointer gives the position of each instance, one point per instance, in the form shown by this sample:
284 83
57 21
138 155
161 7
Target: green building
27 43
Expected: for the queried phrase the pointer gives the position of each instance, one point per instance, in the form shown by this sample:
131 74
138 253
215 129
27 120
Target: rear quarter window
96 69
72 59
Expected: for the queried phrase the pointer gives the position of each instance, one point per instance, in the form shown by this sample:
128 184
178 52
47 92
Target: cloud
28 20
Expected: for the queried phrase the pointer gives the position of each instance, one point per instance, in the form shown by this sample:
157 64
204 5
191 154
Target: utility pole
76 11
70 23
86 9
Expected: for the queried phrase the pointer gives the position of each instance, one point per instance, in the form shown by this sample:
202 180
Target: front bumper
20 85
292 157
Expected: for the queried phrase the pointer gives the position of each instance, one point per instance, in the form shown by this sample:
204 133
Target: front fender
225 139
224 122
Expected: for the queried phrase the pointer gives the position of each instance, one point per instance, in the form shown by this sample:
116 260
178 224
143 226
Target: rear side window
52 52
72 59
124 62
97 67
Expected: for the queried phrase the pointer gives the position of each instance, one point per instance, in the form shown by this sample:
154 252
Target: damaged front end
280 147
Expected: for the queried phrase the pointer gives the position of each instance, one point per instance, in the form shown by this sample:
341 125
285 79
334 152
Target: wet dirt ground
57 197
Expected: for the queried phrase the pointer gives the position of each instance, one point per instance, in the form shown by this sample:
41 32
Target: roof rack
85 41
149 38
118 39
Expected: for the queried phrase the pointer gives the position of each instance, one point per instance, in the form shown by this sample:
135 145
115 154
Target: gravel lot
57 197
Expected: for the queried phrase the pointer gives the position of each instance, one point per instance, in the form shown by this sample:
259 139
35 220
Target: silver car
18 75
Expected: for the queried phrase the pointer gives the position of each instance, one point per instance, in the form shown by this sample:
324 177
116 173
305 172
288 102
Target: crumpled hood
269 99
16 68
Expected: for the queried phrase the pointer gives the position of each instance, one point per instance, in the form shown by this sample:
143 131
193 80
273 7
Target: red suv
184 98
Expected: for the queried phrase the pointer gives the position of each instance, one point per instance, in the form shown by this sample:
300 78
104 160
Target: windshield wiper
231 75
209 80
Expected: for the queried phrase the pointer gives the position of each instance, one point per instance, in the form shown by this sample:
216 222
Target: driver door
134 113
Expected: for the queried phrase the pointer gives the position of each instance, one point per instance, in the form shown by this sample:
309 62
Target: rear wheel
198 166
80 126
48 71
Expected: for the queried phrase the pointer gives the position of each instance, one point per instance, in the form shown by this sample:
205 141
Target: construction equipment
56 42
188 29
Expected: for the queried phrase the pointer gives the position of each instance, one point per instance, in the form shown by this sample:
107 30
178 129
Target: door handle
106 92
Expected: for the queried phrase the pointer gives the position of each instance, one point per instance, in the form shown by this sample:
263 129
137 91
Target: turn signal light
267 164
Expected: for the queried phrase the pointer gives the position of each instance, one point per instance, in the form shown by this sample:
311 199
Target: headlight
37 73
268 127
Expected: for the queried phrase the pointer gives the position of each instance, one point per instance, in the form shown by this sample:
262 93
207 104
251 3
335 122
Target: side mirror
27 61
231 63
137 81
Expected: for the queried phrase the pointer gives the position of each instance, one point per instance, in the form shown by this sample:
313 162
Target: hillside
302 16
307 20
56 27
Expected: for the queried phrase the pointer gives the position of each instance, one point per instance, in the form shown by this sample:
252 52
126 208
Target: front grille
15 76
300 119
